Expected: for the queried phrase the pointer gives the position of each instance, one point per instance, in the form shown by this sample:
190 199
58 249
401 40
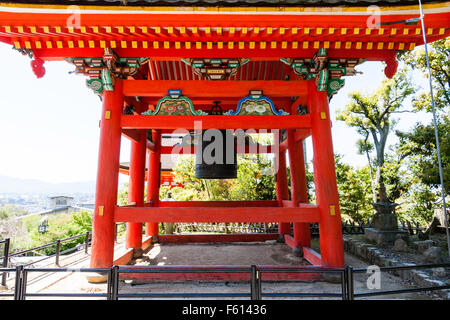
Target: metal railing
7 255
6 244
348 227
58 253
352 271
255 292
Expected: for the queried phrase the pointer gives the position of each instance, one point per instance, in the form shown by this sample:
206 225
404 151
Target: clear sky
49 127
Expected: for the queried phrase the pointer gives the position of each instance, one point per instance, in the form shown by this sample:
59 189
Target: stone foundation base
382 237
97 278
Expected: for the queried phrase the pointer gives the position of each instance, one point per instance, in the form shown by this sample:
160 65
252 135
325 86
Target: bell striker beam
330 229
136 188
153 182
102 252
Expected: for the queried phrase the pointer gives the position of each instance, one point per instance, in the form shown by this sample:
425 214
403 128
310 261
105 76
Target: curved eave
220 9
55 32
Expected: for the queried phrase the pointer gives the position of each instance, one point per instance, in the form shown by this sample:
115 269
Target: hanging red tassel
38 67
391 67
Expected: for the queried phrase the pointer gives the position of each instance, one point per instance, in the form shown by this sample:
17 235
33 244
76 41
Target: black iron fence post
58 250
258 284
350 283
5 260
109 285
24 284
115 283
19 283
86 243
255 283
344 284
253 287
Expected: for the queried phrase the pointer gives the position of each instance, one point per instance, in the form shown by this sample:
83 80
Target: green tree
60 227
255 179
419 147
419 144
438 53
354 187
372 115
420 203
197 189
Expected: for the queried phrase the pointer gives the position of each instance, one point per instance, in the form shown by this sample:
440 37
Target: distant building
61 204
60 201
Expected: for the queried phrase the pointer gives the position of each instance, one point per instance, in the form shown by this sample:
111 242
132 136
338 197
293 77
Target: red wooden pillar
330 229
102 252
136 188
282 190
299 191
153 182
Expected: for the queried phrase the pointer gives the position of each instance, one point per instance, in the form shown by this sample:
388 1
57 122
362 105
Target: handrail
398 291
408 267
8 254
48 244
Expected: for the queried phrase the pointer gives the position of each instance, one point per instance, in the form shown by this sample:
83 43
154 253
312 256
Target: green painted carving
108 80
326 71
215 69
180 106
334 85
256 105
322 80
106 68
96 85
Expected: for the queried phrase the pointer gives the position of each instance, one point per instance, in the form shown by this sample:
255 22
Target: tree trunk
168 227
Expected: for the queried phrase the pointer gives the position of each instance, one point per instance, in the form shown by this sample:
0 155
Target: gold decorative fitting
332 210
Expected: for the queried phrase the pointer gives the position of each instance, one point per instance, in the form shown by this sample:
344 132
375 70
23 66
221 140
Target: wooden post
153 182
330 230
299 191
282 191
136 188
102 252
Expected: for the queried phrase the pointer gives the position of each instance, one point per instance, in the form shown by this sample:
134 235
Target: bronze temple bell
215 156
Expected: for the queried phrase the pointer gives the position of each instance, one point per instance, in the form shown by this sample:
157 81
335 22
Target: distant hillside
15 185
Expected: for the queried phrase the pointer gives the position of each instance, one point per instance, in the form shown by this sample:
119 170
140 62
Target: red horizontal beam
289 240
291 204
176 132
207 238
131 134
300 134
217 204
214 89
223 17
191 150
215 122
312 256
266 54
217 214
